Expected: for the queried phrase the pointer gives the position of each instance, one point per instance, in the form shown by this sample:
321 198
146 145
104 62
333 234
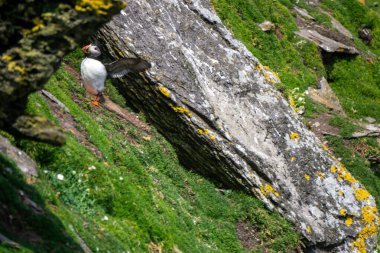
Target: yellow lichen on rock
370 223
99 6
6 58
206 132
349 222
343 173
321 175
294 136
38 24
362 194
307 177
182 110
200 131
292 103
13 67
267 189
164 91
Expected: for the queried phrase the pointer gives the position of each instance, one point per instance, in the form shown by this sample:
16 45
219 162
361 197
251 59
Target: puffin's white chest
93 73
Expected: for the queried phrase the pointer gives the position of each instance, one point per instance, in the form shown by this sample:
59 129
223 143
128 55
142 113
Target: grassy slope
141 188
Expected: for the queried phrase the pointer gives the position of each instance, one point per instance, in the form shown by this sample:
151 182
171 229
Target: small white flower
91 168
46 171
60 177
80 181
74 172
121 178
105 218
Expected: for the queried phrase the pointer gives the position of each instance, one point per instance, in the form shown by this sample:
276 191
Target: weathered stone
325 96
370 120
5 241
369 130
365 35
314 3
338 26
27 166
55 100
213 100
303 13
39 128
332 41
266 26
326 43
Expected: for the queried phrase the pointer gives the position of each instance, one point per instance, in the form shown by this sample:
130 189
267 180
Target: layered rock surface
218 106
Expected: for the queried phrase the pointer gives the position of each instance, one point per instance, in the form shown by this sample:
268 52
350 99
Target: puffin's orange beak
85 48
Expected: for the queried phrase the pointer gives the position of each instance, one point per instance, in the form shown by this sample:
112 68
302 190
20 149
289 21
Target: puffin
94 73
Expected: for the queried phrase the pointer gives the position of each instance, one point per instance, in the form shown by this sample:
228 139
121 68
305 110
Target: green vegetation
134 195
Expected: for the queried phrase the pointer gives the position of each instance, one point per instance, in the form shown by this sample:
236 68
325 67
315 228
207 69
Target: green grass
147 196
359 89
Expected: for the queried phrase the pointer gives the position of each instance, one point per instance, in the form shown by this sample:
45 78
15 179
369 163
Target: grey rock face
217 105
326 96
326 43
27 166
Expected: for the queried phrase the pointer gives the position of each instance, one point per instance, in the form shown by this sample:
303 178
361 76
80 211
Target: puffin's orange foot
95 102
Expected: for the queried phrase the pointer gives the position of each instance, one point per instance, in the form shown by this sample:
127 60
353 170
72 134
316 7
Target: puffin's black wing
123 66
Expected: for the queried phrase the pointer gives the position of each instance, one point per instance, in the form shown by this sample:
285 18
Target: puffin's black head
91 50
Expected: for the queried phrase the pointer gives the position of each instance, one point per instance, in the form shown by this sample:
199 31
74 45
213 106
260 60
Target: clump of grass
357 84
346 128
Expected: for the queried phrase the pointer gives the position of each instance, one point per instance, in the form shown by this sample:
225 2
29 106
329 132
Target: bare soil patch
69 125
248 235
321 127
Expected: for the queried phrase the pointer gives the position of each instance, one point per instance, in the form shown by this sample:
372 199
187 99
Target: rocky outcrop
326 43
331 41
27 166
218 106
35 35
326 96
